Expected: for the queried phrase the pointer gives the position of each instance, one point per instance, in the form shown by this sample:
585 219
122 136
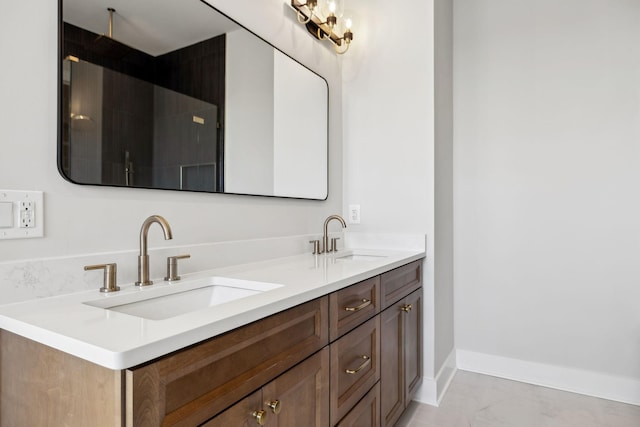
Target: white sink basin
170 300
359 257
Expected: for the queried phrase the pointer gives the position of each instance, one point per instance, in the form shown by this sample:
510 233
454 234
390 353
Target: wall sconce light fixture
325 21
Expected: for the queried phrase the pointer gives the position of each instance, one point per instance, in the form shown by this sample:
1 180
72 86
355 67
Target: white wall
443 197
547 169
390 143
86 219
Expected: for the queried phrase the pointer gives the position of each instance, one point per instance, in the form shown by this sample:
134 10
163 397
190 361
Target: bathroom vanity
322 349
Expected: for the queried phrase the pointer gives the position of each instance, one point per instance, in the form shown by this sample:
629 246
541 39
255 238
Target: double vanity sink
297 340
139 323
170 300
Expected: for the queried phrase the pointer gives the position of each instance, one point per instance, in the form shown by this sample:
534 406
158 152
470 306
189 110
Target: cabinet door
401 351
391 370
300 396
243 414
412 344
192 385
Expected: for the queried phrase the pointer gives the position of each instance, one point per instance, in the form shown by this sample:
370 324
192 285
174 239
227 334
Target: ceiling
152 26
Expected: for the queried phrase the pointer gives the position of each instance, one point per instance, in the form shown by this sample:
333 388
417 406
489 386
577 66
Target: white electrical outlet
26 210
27 214
354 214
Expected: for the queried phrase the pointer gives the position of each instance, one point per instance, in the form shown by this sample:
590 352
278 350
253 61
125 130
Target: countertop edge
128 358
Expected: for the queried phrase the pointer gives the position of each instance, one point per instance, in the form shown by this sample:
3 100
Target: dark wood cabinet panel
302 393
355 367
401 372
366 413
398 283
413 345
351 306
391 377
192 385
242 414
299 397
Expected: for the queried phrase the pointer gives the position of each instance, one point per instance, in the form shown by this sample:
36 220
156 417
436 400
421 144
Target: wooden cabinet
401 372
192 385
349 359
355 367
300 396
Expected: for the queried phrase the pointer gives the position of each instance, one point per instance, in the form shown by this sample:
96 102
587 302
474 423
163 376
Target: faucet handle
316 246
110 276
172 267
334 244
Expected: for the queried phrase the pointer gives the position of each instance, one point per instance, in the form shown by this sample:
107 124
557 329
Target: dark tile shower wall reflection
171 140
197 70
117 57
190 164
127 130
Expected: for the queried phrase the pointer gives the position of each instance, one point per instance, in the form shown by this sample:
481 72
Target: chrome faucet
143 258
325 238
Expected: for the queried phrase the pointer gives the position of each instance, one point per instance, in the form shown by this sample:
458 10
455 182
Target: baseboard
589 383
433 389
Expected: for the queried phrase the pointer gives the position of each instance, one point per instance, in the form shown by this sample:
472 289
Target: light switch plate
6 215
26 214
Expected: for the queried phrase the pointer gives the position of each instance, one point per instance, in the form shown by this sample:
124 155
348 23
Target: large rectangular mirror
175 95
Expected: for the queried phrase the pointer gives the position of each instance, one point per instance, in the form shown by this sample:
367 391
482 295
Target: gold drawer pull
365 303
406 308
367 360
275 406
260 417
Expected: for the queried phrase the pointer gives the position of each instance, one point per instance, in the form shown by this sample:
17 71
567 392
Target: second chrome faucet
143 257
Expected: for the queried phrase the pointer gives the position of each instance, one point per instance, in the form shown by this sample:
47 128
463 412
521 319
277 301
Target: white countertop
119 341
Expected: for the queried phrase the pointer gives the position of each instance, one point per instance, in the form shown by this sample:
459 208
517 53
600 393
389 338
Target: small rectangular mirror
176 96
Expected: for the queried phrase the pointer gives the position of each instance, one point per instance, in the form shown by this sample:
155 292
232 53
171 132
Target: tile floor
475 400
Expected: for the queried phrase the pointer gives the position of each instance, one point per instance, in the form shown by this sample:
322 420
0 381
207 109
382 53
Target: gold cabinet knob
406 308
260 416
275 406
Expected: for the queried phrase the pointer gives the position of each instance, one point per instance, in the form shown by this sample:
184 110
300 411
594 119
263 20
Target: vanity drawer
192 385
366 413
400 282
355 367
351 306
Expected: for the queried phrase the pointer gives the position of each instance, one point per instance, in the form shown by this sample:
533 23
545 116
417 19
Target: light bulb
333 7
348 23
